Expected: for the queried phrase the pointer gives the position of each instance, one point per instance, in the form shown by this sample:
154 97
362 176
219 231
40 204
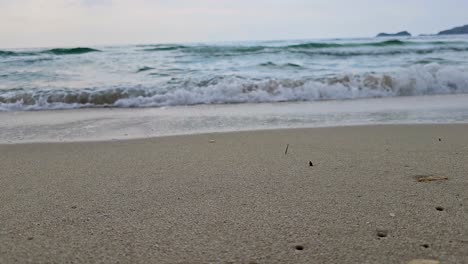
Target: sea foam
431 79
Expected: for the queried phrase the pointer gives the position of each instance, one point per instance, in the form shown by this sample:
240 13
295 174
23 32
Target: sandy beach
375 194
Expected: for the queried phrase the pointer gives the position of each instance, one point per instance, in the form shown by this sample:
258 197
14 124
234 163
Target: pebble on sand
212 141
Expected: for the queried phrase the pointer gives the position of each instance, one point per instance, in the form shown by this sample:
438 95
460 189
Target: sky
57 23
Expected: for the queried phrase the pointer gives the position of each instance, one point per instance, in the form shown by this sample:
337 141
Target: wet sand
236 197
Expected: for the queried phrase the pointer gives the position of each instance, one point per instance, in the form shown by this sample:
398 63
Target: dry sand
240 199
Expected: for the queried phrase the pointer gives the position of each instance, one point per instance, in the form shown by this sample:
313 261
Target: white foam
417 80
431 79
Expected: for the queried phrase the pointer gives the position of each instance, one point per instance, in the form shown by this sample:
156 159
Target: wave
228 50
311 49
387 43
429 79
26 61
71 51
164 47
310 45
432 60
389 47
58 51
145 68
209 50
315 45
384 52
280 66
320 45
7 53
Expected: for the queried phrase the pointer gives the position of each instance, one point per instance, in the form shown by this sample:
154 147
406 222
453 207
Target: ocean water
137 91
163 75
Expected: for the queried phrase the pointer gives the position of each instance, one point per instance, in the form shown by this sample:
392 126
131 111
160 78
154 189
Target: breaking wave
428 79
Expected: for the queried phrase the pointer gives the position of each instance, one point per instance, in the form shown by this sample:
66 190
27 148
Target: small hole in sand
439 208
425 245
299 247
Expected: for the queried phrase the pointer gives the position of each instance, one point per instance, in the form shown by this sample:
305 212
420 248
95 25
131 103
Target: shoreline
375 194
121 124
207 134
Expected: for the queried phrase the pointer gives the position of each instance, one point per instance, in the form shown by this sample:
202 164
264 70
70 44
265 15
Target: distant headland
454 31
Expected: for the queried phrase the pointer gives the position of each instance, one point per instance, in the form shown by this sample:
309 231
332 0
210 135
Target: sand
236 197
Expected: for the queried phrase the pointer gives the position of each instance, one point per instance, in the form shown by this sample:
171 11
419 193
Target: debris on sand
424 261
430 178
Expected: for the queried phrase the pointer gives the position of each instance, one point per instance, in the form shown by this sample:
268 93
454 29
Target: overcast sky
45 23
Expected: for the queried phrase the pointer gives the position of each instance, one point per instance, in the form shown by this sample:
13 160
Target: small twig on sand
430 178
286 151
